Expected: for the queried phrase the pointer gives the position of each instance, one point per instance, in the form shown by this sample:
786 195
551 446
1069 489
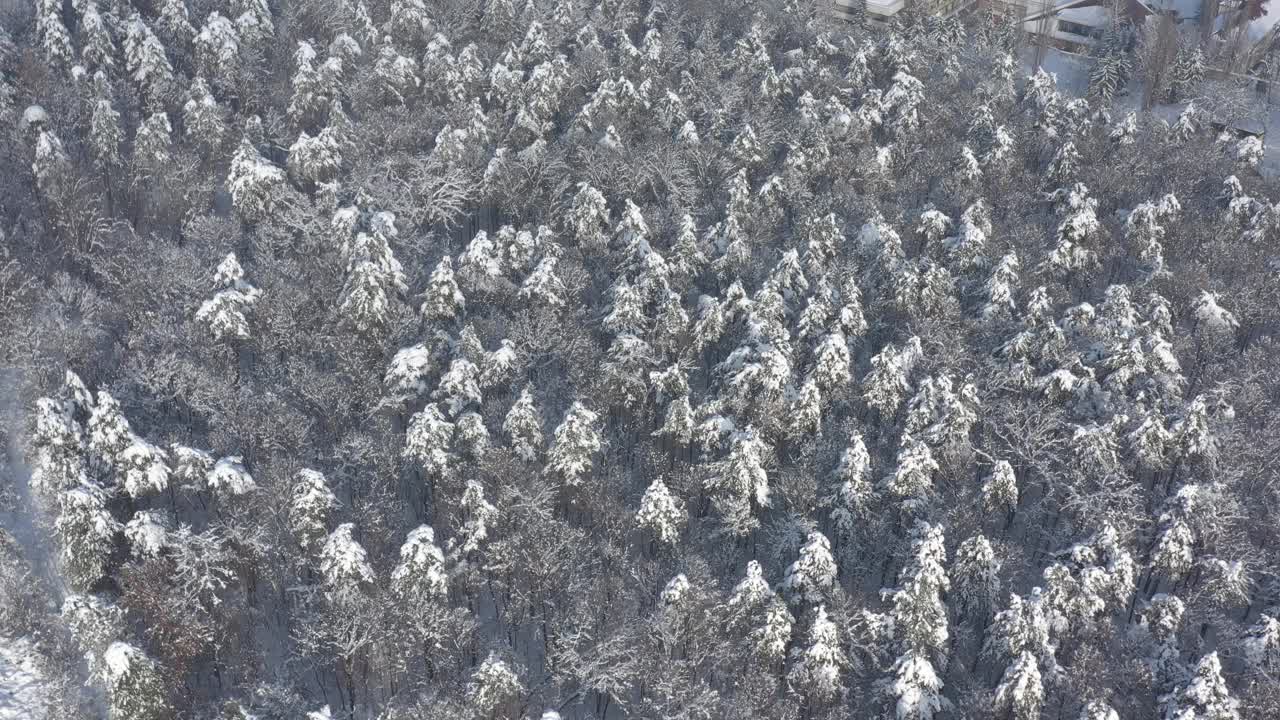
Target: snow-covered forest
613 359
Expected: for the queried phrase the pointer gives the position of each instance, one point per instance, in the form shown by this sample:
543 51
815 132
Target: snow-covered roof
1091 16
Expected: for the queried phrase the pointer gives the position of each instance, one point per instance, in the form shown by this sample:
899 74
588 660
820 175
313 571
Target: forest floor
21 685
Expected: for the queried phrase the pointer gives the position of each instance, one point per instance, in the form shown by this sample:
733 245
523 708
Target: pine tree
202 117
1000 489
661 513
374 277
310 506
148 64
816 673
109 437
135 690
218 51
61 460
976 575
919 615
174 24
493 685
85 531
144 468
254 182
443 301
740 482
523 426
1021 690
224 316
147 534
99 48
813 574
420 576
428 441
153 142
344 564
576 442
912 479
105 134
851 491
53 33
229 478
1206 696
1187 73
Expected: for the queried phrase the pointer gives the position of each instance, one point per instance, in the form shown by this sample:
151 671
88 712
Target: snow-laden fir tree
812 575
459 386
493 686
54 37
85 531
202 117
104 134
148 64
919 615
217 47
523 426
1187 73
109 437
478 515
886 385
191 466
543 286
95 622
61 460
153 143
818 666
374 276
135 689
975 575
255 183
144 467
576 442
344 564
851 492
1000 488
661 513
1020 693
229 478
740 484
420 575
443 301
428 441
1098 710
147 533
911 481
1262 643
310 505
1206 696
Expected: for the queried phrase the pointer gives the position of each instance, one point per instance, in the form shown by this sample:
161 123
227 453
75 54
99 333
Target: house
880 12
1238 30
1078 25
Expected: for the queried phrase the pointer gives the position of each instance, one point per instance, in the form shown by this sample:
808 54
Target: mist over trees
624 359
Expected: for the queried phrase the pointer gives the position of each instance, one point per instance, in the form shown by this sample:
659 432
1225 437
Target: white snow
34 114
21 683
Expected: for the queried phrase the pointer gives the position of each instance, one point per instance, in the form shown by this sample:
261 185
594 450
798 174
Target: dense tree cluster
624 359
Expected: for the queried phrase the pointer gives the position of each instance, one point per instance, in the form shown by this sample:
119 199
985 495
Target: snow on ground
1072 71
20 682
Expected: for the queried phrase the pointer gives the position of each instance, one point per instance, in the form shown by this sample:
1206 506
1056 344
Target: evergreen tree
660 513
576 442
134 686
310 506
816 672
